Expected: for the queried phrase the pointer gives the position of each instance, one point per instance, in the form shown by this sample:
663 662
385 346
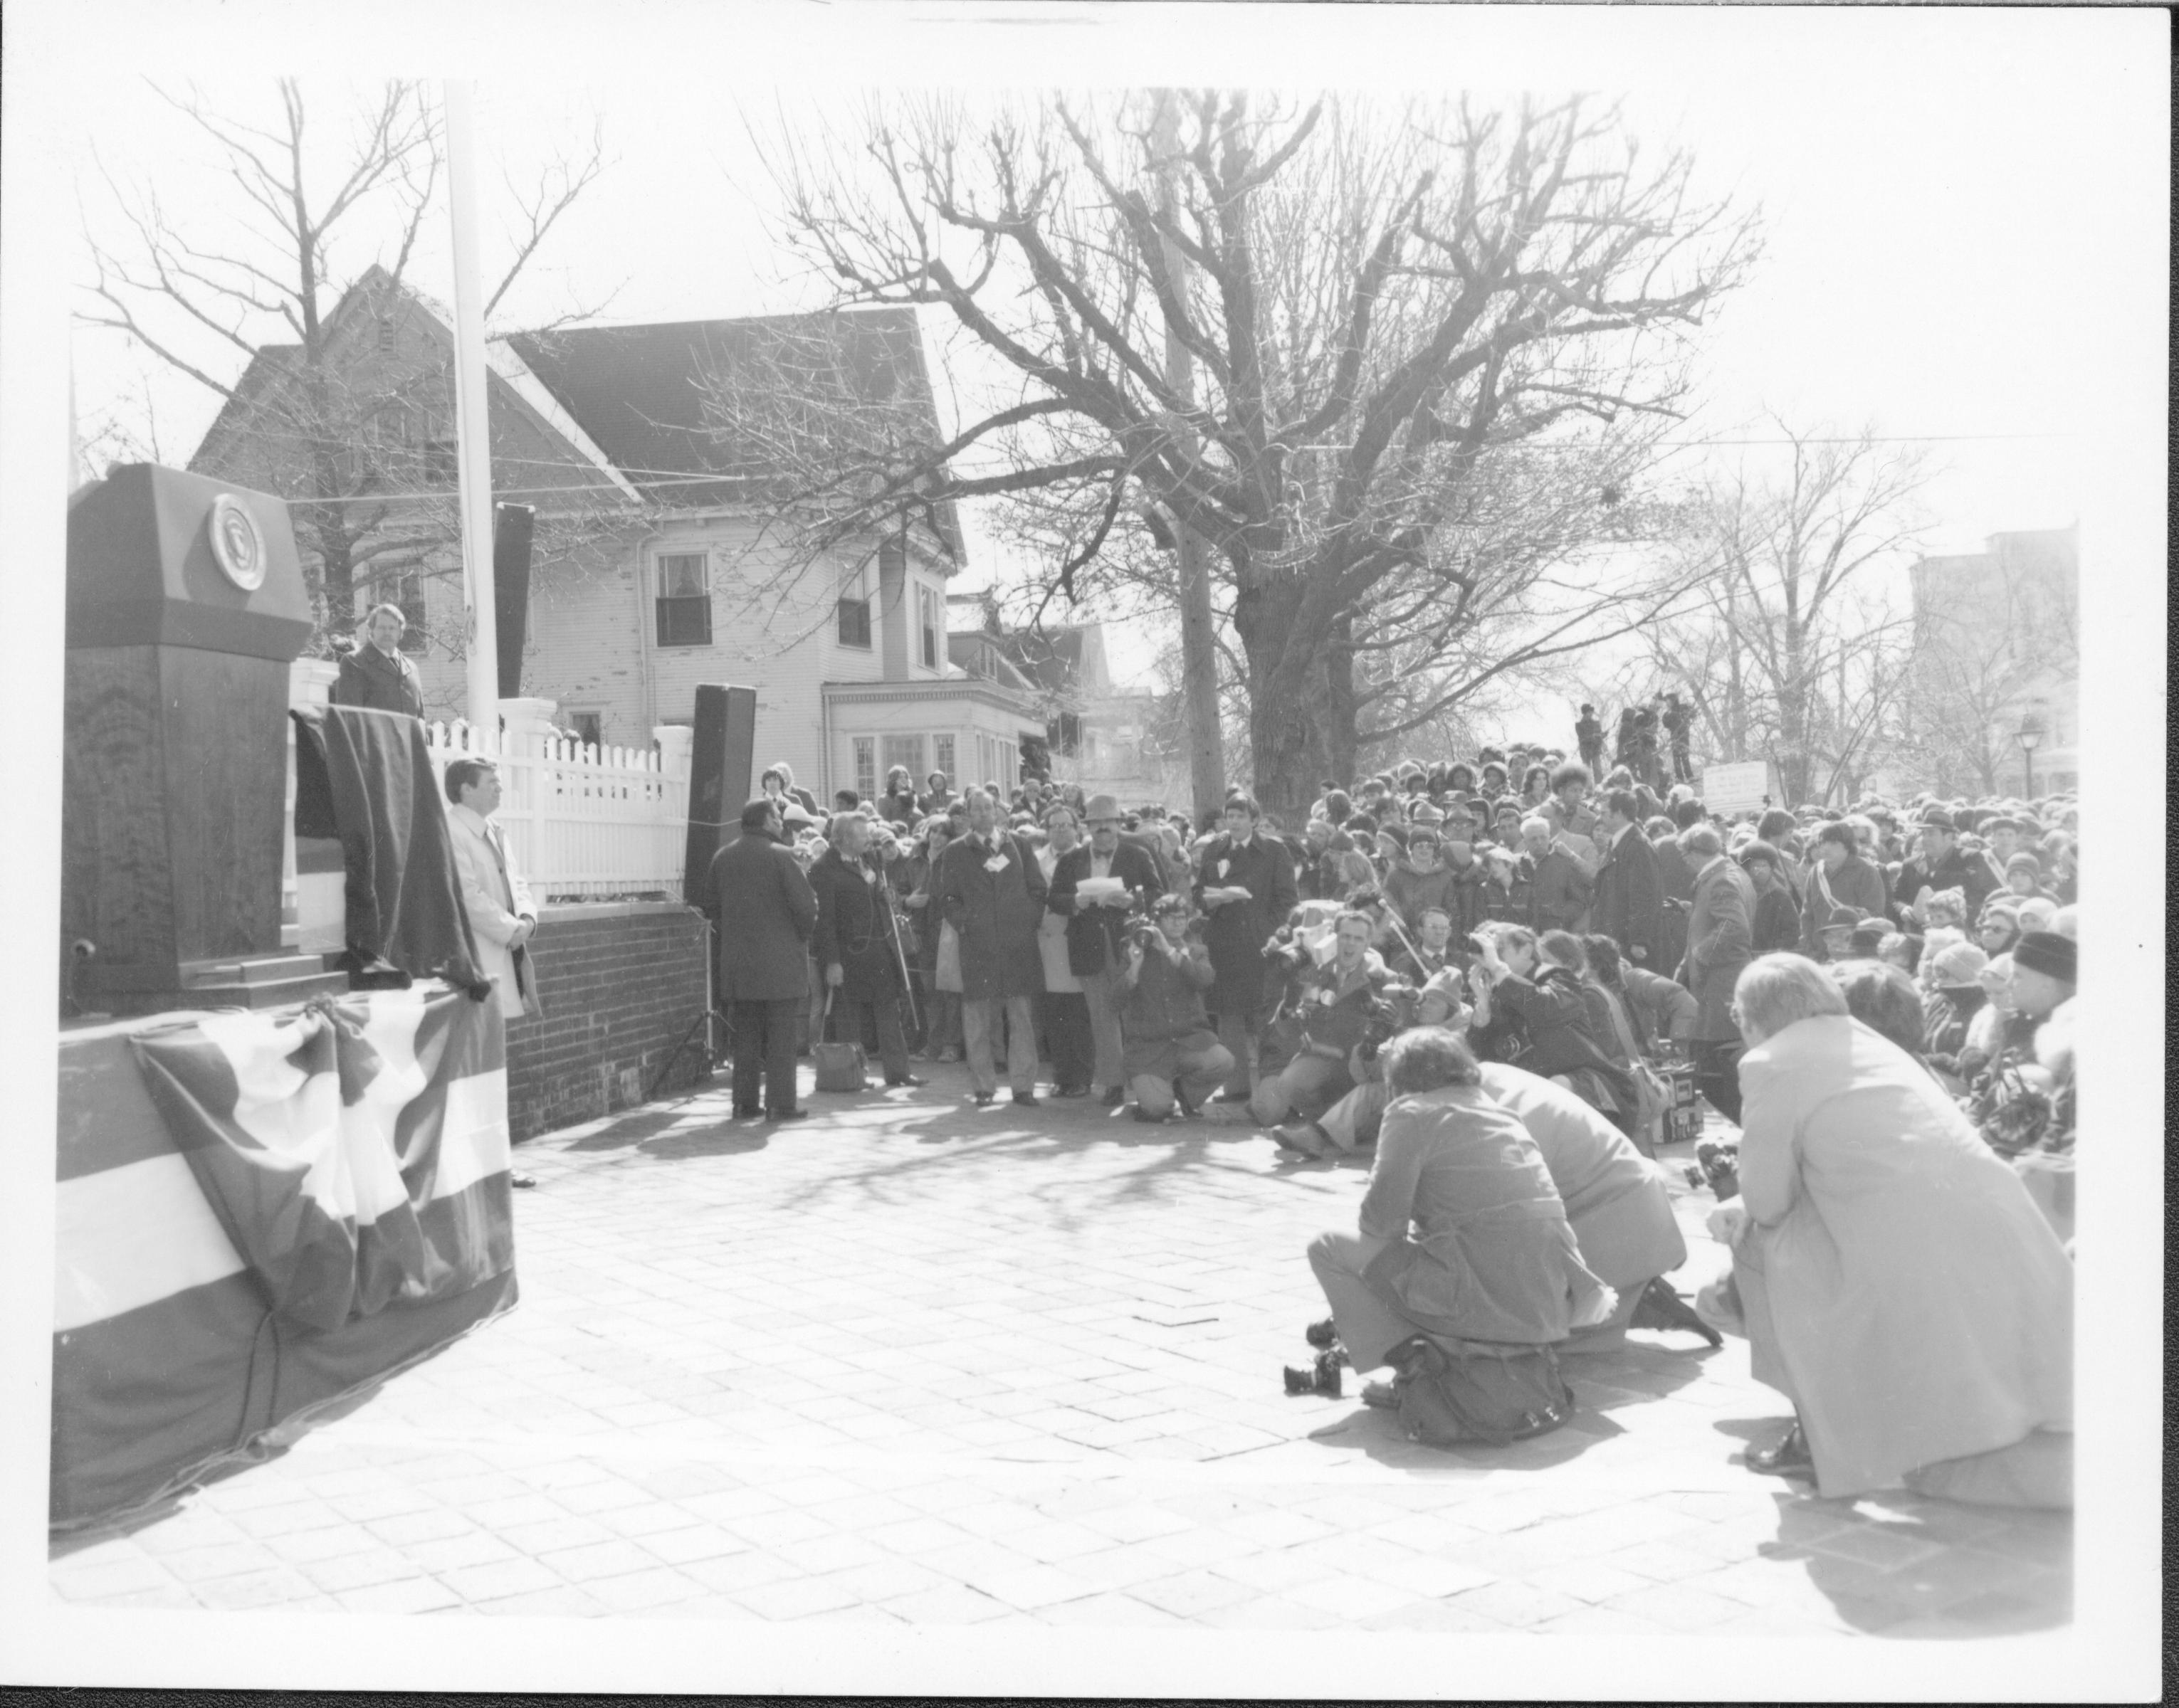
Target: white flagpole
471 420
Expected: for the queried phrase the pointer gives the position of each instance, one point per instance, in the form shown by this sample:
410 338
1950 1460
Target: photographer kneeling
1337 1003
1169 1054
1462 1236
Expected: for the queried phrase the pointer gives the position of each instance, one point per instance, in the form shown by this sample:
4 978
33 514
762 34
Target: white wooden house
657 567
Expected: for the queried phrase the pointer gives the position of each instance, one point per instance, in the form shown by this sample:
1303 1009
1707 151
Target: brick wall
621 983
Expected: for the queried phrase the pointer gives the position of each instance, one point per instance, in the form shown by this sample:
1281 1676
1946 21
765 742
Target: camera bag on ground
841 1067
1462 1393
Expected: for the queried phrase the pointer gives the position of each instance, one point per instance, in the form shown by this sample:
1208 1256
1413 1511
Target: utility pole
472 420
1199 646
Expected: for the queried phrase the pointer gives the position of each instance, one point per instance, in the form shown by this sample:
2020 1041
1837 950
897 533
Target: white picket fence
581 820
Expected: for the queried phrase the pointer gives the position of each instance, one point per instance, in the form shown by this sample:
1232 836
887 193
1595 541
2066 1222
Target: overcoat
995 913
765 912
496 898
853 929
1481 1246
1237 931
368 677
1913 1302
1091 934
1721 943
1630 897
1617 1200
1676 881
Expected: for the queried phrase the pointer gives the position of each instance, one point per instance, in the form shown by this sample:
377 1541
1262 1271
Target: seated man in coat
1462 1234
1617 1200
1171 1058
857 951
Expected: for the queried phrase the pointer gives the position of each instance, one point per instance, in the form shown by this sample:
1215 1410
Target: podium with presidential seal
271 1190
185 607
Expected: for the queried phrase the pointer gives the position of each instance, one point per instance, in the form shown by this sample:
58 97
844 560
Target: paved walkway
912 1360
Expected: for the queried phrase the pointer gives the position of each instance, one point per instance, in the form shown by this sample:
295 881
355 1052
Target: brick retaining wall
621 983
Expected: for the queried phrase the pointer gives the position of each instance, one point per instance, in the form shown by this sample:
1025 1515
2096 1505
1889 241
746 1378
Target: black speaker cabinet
722 760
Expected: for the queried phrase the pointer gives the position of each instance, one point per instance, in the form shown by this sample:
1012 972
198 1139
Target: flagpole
471 416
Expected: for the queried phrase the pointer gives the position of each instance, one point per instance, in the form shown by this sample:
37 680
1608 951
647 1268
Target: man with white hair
1721 942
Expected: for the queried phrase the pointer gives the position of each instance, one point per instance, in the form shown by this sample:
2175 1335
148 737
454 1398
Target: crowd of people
1489 972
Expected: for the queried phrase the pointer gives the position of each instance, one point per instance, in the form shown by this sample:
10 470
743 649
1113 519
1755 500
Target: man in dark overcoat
765 912
1245 884
1095 954
856 950
1629 895
1721 943
991 891
377 673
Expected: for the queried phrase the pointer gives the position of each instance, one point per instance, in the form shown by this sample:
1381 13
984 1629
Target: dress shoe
1115 1096
1789 1458
1070 1091
788 1116
1027 1100
1182 1106
908 1080
521 1180
1384 1395
983 1097
1303 1136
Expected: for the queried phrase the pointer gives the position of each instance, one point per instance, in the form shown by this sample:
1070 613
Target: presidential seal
236 544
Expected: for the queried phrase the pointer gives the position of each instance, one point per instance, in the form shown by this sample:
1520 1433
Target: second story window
854 620
926 607
684 599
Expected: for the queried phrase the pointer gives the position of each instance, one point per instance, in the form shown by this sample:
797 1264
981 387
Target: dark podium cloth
365 778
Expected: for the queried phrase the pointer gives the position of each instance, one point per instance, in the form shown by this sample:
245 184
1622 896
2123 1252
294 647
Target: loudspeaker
722 774
513 528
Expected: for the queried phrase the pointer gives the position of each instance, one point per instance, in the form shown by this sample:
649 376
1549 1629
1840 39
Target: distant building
1103 737
660 564
1998 651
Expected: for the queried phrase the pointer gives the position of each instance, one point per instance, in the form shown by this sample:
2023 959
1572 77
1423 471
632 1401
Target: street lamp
2030 737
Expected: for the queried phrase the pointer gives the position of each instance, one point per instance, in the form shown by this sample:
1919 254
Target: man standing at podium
375 673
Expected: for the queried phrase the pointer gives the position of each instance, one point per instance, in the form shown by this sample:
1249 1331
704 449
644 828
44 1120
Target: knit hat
2025 861
1957 966
2047 953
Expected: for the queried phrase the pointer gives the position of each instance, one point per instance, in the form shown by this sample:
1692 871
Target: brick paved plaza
913 1361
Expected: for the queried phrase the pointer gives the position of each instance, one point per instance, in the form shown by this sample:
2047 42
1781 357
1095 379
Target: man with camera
1337 1004
1119 876
1171 1057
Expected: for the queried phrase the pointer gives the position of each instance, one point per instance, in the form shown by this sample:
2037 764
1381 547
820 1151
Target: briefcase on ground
841 1067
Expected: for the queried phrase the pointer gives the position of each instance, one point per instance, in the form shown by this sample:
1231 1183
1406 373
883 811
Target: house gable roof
639 391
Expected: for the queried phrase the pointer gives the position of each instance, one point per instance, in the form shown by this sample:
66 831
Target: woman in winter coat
941 1008
1893 1276
854 947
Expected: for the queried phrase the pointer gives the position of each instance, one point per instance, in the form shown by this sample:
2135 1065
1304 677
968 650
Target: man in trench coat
1245 882
990 889
765 912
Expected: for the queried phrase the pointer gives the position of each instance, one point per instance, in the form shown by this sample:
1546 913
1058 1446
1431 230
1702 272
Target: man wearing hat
1838 879
1125 879
1942 864
2044 972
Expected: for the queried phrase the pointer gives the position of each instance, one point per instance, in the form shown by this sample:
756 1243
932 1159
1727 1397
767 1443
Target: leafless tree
1787 650
1381 306
329 420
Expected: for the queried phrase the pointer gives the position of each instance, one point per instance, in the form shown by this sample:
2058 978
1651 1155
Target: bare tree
1378 304
1787 652
336 420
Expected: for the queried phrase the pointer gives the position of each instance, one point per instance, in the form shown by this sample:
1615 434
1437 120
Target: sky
1923 272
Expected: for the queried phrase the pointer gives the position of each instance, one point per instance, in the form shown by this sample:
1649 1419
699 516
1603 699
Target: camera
1321 1377
1717 1166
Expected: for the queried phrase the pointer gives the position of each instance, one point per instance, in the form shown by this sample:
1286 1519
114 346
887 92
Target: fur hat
2047 953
